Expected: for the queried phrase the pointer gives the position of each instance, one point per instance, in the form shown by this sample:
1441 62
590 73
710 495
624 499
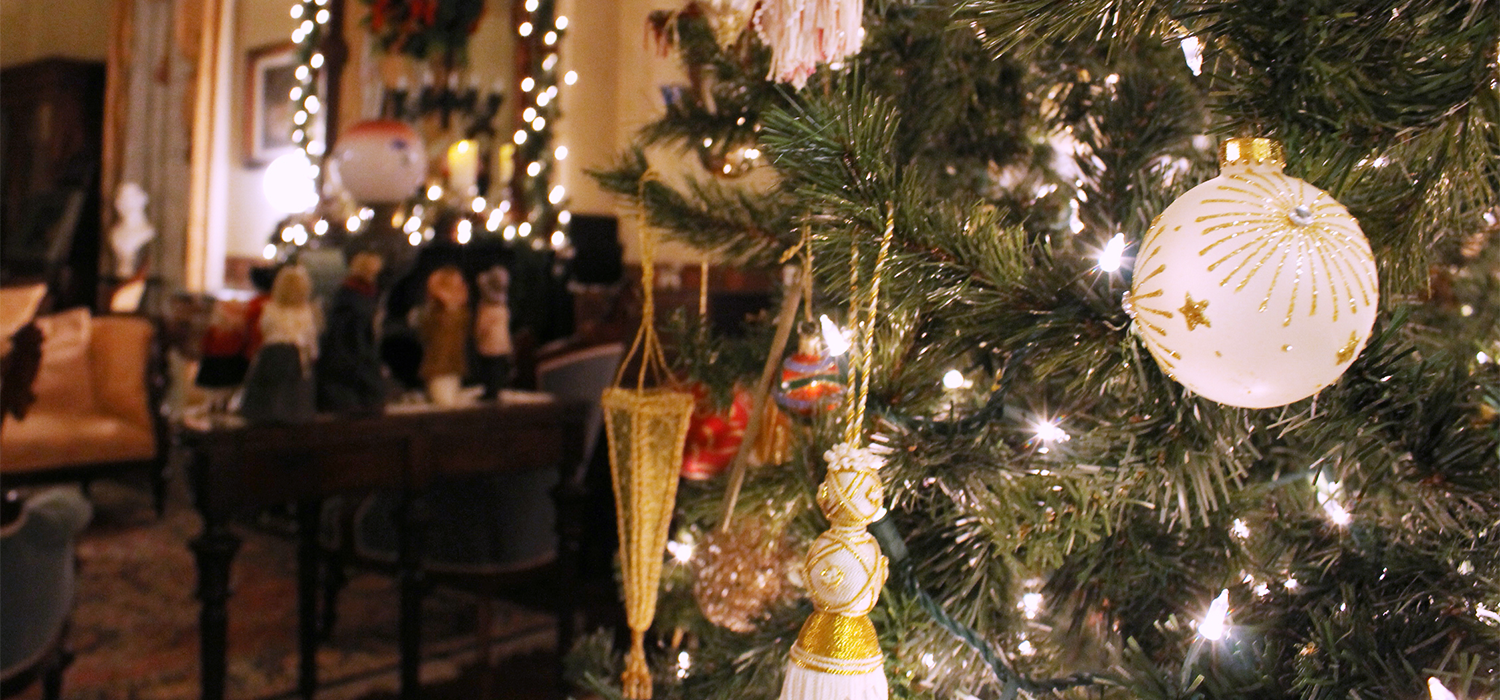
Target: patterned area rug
135 628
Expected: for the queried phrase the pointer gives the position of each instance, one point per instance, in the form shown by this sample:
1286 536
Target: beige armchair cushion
92 403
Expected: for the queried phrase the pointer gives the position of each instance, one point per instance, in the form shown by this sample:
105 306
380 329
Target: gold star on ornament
1192 312
1346 353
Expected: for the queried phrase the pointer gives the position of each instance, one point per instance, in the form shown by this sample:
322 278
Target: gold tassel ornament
646 428
837 654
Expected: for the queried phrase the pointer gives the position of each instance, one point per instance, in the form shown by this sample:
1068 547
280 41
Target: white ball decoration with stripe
1254 289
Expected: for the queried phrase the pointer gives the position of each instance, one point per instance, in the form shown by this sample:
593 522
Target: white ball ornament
1254 289
380 161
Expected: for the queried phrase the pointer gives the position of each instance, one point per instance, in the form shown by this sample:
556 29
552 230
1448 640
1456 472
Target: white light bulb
435 192
321 227
562 21
527 84
1438 691
708 141
1031 605
366 213
520 137
1114 251
534 169
269 252
539 123
550 62
323 16
834 339
561 153
557 194
353 223
300 117
296 93
296 12
415 239
1192 52
528 114
1075 222
478 205
1240 529
531 5
316 61
1049 431
524 230
1215 623
288 184
313 104
549 38
564 217
570 77
524 29
684 662
558 240
543 99
493 223
465 231
953 379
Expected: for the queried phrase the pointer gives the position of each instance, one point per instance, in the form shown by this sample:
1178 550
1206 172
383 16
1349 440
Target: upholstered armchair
97 405
37 588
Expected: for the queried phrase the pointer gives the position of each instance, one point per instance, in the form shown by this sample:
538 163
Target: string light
1438 691
834 339
464 232
954 379
1031 605
353 223
1328 497
570 77
1113 254
684 662
1192 52
1240 529
1049 431
435 192
1215 623
269 252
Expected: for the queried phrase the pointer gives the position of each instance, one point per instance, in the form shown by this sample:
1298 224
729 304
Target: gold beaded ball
1254 289
741 572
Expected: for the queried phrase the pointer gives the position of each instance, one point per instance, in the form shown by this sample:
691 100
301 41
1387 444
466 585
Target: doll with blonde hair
279 386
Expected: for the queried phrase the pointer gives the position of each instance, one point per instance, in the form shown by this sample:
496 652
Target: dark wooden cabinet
51 130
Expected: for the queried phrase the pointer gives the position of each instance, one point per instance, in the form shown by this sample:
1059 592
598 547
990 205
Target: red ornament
714 435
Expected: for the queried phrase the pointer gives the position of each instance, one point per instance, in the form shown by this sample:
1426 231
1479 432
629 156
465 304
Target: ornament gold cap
1251 151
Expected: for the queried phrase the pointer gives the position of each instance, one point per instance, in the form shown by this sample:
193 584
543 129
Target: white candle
463 167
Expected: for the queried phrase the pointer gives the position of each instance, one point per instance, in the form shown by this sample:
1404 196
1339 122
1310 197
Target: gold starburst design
1192 312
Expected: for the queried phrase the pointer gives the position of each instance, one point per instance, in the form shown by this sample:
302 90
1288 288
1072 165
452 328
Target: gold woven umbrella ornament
837 655
646 427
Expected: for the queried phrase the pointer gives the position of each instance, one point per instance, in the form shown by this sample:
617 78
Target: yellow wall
30 29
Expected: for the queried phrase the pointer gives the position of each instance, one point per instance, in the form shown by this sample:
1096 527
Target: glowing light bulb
559 240
1114 251
954 379
524 29
288 184
534 169
415 239
1031 605
1192 52
269 252
520 137
570 77
316 61
549 38
527 84
1049 431
353 223
531 5
1438 691
834 339
493 223
524 230
528 114
539 123
296 12
465 231
561 153
1240 529
684 662
323 16
564 217
557 194
435 192
477 205
1215 623
562 21
321 227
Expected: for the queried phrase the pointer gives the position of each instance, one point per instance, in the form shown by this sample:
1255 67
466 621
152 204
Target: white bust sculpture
132 231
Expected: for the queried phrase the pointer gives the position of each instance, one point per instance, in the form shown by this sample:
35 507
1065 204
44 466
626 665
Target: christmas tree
1063 517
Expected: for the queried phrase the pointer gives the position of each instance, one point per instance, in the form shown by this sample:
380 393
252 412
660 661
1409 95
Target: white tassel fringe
804 33
805 684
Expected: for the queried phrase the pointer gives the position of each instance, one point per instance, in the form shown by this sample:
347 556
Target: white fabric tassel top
804 33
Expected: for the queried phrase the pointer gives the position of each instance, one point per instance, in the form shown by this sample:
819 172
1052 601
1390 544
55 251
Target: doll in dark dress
349 372
279 387
223 364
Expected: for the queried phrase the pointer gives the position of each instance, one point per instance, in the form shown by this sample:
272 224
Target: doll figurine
492 331
223 364
279 387
445 333
349 376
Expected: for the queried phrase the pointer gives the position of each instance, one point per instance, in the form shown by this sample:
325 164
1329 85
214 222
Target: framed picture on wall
270 75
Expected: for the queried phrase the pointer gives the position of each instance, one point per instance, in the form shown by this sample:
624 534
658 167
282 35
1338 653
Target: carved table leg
308 560
412 579
215 550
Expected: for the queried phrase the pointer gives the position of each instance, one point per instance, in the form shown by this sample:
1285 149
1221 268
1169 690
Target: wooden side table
236 468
